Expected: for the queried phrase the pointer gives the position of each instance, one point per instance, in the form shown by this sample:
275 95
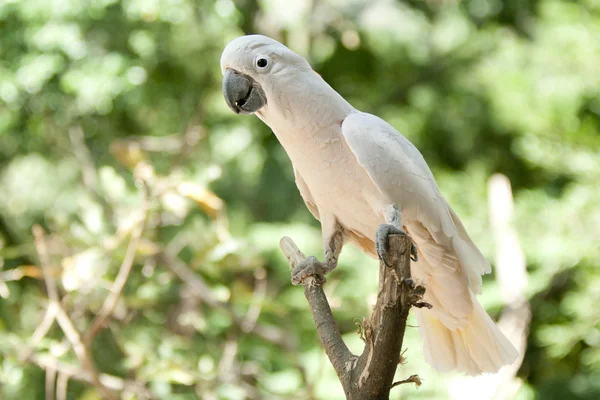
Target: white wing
399 171
450 263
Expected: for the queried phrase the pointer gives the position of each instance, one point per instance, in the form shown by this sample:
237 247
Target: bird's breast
339 186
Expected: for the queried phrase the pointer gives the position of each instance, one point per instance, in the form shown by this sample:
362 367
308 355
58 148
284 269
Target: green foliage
97 96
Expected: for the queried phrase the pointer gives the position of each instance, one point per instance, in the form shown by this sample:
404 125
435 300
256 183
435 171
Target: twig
40 332
81 349
42 251
62 383
225 369
49 383
258 297
411 379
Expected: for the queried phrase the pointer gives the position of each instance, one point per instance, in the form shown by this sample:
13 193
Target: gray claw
381 243
309 267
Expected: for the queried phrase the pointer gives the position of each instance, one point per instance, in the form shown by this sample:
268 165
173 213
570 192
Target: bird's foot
310 267
381 242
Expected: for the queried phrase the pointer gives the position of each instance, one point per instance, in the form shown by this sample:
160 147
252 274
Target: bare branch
40 332
370 376
335 348
49 383
62 383
82 350
226 373
42 251
258 297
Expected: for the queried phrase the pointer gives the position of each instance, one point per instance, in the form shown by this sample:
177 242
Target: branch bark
368 376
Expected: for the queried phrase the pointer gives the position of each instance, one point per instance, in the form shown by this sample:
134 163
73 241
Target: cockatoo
363 180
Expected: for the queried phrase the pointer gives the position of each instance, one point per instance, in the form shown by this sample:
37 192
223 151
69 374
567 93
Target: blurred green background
107 105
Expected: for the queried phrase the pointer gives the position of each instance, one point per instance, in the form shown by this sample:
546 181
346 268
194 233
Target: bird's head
251 66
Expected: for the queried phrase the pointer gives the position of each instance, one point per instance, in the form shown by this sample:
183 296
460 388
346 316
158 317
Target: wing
306 196
401 174
399 171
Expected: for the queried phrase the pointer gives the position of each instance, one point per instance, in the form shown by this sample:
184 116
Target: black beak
242 93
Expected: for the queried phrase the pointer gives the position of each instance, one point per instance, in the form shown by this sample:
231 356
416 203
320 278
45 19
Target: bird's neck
302 110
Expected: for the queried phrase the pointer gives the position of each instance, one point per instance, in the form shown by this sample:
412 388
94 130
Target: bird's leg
393 225
333 241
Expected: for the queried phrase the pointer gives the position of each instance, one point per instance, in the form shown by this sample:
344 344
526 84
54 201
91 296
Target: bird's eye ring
262 62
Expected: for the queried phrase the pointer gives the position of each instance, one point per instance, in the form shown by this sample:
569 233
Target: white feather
478 347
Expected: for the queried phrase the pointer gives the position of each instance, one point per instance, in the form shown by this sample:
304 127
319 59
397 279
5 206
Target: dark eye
262 63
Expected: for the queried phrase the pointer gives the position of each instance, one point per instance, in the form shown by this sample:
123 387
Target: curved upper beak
242 93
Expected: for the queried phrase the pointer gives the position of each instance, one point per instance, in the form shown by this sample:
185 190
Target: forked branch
368 376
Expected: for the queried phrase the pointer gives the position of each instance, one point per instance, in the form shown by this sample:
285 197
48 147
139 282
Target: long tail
475 348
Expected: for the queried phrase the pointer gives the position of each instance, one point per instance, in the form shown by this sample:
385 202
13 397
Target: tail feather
476 348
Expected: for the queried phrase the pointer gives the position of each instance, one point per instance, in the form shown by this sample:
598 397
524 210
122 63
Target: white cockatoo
363 180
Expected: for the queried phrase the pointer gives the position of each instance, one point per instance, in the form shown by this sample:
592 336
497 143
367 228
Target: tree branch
46 265
49 384
335 348
370 376
62 383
